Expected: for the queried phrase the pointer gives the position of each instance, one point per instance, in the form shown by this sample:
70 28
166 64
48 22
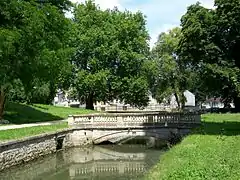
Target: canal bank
95 162
22 151
210 152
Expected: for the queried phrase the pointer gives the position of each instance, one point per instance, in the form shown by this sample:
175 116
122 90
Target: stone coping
134 114
136 111
10 144
144 126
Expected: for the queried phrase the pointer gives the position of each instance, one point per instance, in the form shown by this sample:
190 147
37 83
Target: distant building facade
215 103
62 99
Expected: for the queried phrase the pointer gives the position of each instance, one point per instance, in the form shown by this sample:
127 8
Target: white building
190 100
153 105
62 100
215 103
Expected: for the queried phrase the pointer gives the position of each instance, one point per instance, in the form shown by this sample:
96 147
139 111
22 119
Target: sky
161 15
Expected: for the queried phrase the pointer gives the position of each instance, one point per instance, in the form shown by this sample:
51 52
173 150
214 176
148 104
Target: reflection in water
99 162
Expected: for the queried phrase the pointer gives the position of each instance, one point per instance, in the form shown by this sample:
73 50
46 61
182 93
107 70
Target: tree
227 38
111 48
32 47
209 43
171 76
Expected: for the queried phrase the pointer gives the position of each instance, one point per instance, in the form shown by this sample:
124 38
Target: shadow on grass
21 113
219 128
40 107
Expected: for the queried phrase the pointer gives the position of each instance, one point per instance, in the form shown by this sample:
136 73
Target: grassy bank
30 131
211 152
22 113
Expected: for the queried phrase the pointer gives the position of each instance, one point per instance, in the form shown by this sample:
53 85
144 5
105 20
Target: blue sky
162 15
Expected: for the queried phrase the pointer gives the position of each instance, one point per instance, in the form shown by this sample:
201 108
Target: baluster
159 119
165 118
162 119
174 118
145 120
92 121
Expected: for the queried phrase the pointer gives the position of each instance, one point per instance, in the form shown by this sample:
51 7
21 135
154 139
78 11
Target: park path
17 126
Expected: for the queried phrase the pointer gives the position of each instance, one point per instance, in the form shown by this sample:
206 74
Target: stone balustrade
125 120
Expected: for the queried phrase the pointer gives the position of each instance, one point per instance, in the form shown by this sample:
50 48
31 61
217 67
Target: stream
108 162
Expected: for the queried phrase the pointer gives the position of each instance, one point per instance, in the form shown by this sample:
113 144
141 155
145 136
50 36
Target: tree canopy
110 49
170 76
209 45
32 48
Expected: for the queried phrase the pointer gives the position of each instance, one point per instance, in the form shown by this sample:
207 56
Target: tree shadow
220 110
40 107
20 113
219 128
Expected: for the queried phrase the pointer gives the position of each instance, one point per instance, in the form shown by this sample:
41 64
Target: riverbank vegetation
12 134
17 113
210 152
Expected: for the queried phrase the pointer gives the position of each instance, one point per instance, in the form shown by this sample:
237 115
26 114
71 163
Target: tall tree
32 44
209 46
111 47
171 76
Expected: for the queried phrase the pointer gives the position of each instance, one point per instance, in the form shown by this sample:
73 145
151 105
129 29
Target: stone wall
32 169
21 151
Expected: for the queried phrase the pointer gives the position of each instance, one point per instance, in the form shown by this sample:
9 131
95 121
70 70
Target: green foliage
87 83
33 49
134 92
111 48
7 40
63 5
16 92
209 153
209 46
40 93
171 77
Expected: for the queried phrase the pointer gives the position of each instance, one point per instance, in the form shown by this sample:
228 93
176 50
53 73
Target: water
124 162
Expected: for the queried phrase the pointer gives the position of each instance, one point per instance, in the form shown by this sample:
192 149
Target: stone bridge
120 127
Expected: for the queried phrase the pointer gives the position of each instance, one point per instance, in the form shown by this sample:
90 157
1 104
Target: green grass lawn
212 152
21 113
30 131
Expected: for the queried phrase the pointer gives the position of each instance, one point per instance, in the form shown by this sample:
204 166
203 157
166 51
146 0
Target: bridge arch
123 135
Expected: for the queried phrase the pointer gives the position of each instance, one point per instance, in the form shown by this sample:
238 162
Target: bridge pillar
81 137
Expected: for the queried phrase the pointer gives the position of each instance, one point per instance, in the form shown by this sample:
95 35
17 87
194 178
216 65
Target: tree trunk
177 100
236 102
52 94
2 103
89 102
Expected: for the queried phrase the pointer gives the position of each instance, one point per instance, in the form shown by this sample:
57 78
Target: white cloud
155 32
163 15
104 4
207 4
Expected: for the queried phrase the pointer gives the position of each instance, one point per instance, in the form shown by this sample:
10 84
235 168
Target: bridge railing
125 120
